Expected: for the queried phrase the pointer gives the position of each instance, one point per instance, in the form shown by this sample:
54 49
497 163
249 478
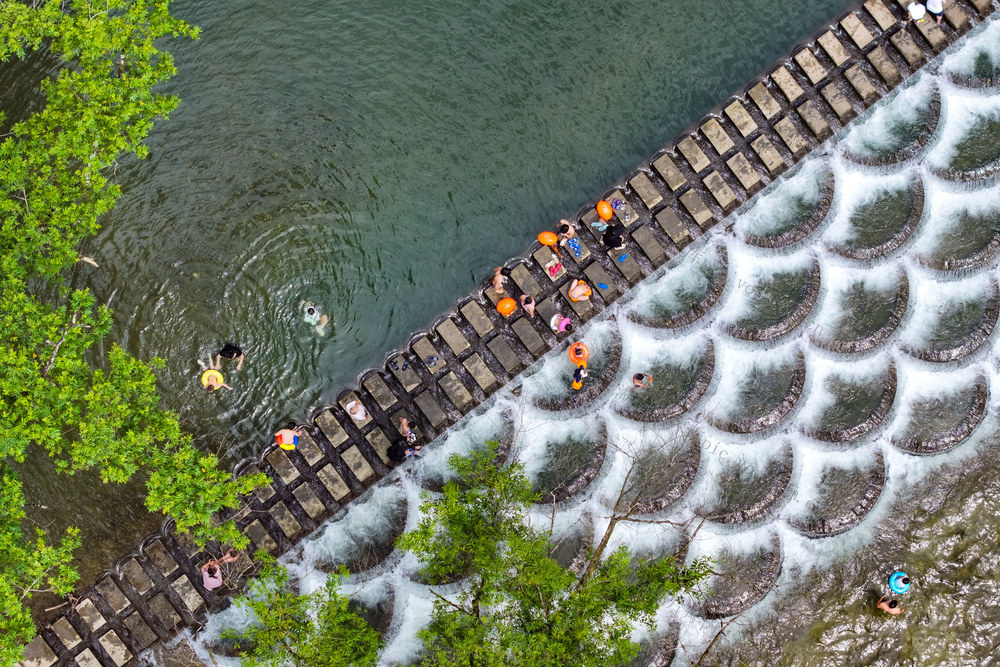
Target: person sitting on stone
528 304
498 280
211 575
406 430
579 291
357 411
398 451
614 236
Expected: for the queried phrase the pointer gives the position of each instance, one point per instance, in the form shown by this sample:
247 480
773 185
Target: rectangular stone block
378 441
309 449
137 576
647 192
163 610
838 54
546 258
790 135
767 153
161 558
403 372
87 659
696 207
115 648
862 85
260 537
762 98
884 66
692 152
579 253
309 501
429 355
283 467
671 224
881 14
477 318
814 119
527 334
37 654
66 633
956 17
112 594
331 428
720 190
787 83
504 353
854 27
357 463
353 397
448 330
625 213
907 48
650 246
717 136
141 633
480 372
982 5
524 280
929 28
283 516
546 310
187 544
90 615
431 409
380 391
835 97
334 483
601 281
456 392
669 172
741 118
626 265
581 308
743 171
813 69
189 596
262 492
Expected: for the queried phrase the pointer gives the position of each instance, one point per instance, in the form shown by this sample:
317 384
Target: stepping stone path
449 369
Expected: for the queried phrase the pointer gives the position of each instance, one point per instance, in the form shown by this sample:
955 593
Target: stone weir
447 370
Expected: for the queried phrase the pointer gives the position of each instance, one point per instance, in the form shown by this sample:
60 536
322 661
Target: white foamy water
740 378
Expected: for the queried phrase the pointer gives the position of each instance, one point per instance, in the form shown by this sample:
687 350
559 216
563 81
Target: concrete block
625 213
881 14
762 98
431 409
716 135
260 537
672 225
835 97
982 5
625 264
504 353
358 464
767 153
448 330
650 246
720 190
456 392
37 654
600 281
283 517
647 192
907 48
790 135
529 336
90 615
379 441
741 118
580 254
692 152
185 589
478 319
787 83
581 308
161 558
137 576
115 648
929 28
112 594
88 659
884 66
141 633
669 172
379 390
838 54
697 208
429 355
309 501
334 483
527 284
352 397
743 171
862 85
403 372
309 449
546 258
66 633
186 542
163 610
854 27
332 429
955 16
814 119
283 467
480 372
812 67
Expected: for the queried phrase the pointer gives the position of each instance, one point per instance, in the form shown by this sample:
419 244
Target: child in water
315 318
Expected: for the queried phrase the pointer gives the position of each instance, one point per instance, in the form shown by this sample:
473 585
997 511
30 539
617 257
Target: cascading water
813 363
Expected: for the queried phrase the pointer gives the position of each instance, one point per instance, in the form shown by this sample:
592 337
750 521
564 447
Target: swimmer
498 280
889 606
566 230
579 291
288 437
211 378
528 304
578 377
231 351
317 319
641 380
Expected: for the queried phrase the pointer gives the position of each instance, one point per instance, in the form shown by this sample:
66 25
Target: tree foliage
56 179
315 630
518 606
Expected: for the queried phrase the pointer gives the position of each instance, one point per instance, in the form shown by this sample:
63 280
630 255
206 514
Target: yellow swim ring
213 374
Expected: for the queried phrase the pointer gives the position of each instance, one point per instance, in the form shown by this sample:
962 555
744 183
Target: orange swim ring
578 354
548 238
604 210
507 306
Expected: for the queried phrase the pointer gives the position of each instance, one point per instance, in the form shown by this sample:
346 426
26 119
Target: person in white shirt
936 9
917 12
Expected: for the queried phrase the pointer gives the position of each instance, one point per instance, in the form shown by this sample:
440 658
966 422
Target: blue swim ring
899 582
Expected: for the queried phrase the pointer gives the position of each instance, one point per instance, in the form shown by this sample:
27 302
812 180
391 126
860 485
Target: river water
378 160
827 418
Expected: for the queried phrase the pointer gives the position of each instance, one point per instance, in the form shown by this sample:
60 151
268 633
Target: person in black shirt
614 235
